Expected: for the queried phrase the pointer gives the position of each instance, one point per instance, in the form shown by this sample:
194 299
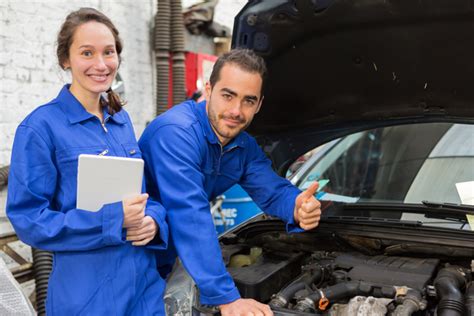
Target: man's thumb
310 191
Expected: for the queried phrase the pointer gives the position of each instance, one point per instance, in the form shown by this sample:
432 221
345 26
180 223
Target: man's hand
142 235
244 307
307 211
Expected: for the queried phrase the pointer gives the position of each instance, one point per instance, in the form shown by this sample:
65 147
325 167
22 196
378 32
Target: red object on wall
198 69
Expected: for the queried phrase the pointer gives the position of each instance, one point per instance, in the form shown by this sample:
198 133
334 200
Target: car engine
304 274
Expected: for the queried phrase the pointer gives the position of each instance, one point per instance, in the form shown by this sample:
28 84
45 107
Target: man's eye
227 96
250 102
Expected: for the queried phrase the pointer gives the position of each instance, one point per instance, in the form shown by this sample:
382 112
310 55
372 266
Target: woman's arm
37 222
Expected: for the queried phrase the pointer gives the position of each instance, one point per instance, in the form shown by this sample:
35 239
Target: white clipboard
106 179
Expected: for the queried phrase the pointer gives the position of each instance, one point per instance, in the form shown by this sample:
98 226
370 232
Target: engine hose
42 266
412 302
282 298
320 299
4 176
470 300
449 284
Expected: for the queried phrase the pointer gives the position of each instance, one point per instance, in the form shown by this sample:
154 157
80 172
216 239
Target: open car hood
338 66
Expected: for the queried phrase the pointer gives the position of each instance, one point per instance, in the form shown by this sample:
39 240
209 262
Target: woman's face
93 59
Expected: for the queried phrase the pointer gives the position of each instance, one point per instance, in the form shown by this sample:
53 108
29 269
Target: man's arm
276 195
273 194
173 163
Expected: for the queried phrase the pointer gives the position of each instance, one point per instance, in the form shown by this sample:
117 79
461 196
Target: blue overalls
186 167
95 270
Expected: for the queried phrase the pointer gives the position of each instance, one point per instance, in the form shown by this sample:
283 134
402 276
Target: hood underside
340 66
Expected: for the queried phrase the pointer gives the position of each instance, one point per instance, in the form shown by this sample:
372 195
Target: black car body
385 89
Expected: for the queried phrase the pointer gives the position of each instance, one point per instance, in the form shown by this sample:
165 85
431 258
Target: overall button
132 150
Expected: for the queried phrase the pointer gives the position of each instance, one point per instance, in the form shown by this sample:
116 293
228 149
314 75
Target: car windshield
395 164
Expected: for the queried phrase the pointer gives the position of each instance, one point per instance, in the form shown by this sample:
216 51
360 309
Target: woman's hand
134 210
140 236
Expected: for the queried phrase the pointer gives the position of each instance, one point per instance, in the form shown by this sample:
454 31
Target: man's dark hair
245 59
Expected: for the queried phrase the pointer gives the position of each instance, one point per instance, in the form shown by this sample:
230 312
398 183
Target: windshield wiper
450 206
429 209
371 220
446 210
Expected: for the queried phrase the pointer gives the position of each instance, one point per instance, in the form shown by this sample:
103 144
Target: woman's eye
87 53
110 52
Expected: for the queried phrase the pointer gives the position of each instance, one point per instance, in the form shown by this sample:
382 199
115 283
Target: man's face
233 101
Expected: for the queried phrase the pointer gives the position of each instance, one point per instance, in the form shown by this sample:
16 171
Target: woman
100 264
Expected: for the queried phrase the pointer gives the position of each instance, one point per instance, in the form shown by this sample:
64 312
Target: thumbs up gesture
307 209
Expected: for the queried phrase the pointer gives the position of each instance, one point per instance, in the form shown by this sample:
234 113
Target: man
196 151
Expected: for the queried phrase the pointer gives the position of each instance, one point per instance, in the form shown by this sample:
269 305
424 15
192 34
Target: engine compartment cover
384 270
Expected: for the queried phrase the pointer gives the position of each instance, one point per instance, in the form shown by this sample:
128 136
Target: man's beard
214 119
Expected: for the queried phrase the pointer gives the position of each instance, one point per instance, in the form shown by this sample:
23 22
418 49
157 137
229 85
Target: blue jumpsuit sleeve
273 194
173 166
156 211
31 189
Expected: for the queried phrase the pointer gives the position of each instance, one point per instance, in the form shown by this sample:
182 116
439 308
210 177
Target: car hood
336 67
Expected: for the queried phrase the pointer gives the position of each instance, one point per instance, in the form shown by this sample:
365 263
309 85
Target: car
381 93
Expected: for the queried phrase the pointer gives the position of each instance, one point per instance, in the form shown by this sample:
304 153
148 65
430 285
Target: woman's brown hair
65 38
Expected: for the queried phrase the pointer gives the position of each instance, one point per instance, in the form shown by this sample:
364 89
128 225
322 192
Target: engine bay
324 274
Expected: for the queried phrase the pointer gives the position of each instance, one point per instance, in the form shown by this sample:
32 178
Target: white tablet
106 179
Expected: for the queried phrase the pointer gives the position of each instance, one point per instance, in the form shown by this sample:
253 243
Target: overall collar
76 113
200 109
